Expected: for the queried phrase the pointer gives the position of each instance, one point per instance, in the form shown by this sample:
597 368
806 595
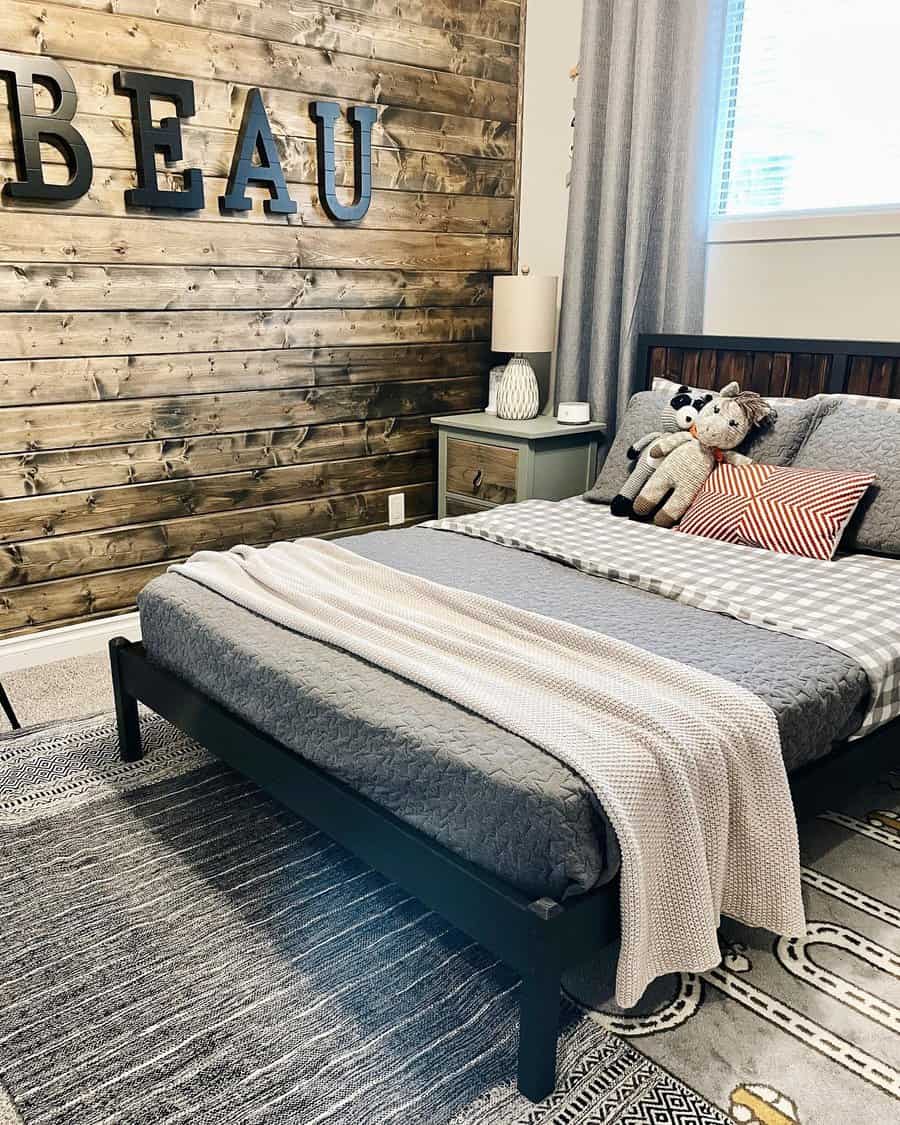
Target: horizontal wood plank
389 210
62 513
143 462
57 238
219 105
25 608
30 26
68 556
98 378
74 288
311 23
54 335
491 19
25 429
212 150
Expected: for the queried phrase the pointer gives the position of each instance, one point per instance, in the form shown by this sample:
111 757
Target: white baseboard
17 653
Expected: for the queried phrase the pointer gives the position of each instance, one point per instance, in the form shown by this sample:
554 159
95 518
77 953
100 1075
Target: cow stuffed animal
680 413
685 460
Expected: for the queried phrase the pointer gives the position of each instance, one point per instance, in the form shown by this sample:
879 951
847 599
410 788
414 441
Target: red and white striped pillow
794 511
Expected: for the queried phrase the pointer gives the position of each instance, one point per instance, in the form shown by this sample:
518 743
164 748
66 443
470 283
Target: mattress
486 794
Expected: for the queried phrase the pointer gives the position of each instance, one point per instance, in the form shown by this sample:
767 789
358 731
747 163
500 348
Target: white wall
844 288
552 44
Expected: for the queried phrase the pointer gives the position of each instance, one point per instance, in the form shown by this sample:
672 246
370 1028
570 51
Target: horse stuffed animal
685 460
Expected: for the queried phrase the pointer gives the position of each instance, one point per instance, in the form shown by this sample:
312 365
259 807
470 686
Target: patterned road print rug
176 947
786 1032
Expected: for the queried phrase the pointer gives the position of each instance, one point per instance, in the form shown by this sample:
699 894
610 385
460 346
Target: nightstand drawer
484 472
457 507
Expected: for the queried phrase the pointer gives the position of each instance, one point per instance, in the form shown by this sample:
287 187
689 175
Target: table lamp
524 320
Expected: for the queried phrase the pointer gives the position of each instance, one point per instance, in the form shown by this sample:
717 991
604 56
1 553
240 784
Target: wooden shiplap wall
172 384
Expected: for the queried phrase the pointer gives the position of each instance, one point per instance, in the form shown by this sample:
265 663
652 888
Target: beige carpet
66 689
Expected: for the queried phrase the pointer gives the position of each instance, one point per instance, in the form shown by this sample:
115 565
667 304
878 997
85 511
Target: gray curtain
644 140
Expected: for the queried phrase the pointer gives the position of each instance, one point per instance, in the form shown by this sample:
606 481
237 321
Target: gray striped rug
178 948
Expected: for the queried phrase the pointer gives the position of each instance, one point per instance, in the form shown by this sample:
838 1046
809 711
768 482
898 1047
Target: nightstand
484 461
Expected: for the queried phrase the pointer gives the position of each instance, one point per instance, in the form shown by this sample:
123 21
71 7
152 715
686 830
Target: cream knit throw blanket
687 767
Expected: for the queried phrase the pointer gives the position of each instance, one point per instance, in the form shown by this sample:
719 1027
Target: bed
489 830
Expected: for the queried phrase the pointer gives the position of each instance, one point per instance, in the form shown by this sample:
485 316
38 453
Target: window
808 111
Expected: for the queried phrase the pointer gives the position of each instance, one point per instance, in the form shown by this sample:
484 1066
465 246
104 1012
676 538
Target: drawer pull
477 479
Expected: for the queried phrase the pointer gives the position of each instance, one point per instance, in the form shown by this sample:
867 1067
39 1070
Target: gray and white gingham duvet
851 604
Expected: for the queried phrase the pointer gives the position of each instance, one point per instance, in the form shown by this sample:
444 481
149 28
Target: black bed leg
126 706
538 1031
8 710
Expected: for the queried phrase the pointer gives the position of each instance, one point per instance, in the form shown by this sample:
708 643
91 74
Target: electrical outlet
397 508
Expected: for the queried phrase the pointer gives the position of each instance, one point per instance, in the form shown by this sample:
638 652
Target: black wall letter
30 128
256 137
165 138
362 118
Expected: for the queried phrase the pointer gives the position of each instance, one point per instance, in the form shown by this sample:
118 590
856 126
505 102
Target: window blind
808 110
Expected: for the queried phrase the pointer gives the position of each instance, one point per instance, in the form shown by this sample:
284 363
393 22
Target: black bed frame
539 939
7 709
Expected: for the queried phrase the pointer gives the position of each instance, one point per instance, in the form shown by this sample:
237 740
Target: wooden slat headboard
776 367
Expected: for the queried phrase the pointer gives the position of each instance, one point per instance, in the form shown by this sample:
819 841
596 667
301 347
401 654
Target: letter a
256 138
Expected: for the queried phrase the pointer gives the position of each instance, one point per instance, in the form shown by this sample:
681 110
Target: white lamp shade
524 314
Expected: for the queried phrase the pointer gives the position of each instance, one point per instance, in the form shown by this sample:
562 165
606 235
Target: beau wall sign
255 157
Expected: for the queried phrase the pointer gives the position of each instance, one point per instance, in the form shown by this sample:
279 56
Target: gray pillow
773 445
779 443
859 439
643 416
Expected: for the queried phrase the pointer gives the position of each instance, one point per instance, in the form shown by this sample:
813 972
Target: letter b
31 128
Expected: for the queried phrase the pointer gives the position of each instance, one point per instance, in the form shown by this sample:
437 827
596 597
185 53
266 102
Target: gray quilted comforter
481 791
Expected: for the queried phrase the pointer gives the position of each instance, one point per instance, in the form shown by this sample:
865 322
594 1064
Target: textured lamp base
517 396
